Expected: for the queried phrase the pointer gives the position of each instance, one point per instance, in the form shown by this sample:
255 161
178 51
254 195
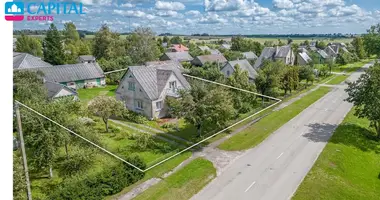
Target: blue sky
223 16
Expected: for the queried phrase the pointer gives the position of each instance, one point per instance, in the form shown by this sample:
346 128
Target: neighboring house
322 56
331 51
143 89
303 58
75 76
225 46
178 48
27 61
244 65
312 48
212 51
201 60
249 55
86 59
56 90
283 53
177 56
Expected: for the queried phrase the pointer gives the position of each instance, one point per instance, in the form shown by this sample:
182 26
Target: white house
244 65
143 89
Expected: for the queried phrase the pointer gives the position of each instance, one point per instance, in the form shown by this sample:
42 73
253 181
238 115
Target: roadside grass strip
259 131
174 153
349 166
337 80
183 184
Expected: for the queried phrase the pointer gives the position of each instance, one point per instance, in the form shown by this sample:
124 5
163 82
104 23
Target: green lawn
86 95
182 184
351 67
256 133
349 166
337 80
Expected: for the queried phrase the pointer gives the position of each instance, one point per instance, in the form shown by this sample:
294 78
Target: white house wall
129 97
227 68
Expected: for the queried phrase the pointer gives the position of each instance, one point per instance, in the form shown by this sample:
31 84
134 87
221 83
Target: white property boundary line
170 157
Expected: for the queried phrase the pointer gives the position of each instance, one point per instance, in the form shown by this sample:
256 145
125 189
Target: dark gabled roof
211 58
283 51
27 61
72 72
245 66
153 77
267 53
54 88
249 55
179 56
87 57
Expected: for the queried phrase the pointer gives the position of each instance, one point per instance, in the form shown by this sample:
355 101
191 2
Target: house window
173 85
131 86
139 105
228 73
159 105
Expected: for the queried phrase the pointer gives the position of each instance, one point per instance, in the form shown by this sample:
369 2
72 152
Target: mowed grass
182 184
86 95
352 67
349 166
337 80
256 133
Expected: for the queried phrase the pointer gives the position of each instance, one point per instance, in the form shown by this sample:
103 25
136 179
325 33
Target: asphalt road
274 169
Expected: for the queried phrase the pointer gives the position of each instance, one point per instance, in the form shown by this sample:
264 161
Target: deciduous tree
29 45
105 107
141 46
365 95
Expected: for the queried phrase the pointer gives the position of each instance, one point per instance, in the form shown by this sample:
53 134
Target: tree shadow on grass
346 134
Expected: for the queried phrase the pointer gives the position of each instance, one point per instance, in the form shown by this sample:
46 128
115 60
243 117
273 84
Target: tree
243 101
290 79
52 47
176 40
233 55
358 45
268 44
280 43
141 46
70 33
290 41
245 44
29 45
306 73
371 40
344 58
365 95
204 105
209 71
19 186
321 45
269 77
105 107
107 44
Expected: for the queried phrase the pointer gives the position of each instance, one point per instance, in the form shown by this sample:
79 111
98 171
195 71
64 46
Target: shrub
107 182
78 161
143 141
133 116
169 125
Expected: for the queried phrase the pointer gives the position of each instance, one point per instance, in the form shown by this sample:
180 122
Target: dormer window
131 86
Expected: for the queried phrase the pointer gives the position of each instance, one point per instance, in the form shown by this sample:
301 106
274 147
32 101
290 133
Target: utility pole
19 129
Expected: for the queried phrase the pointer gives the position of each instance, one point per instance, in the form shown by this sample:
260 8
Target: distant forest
84 32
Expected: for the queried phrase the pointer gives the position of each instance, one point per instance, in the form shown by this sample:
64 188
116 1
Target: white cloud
168 13
283 4
193 13
227 5
212 19
130 13
162 5
127 5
